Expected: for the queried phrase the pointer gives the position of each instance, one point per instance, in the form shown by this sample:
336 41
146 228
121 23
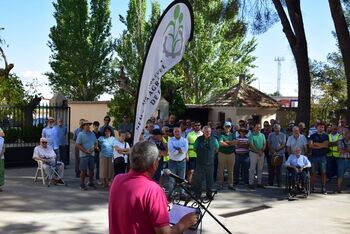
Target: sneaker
92 185
83 187
261 186
324 191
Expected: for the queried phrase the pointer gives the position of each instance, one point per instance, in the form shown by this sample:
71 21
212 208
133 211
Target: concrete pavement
28 207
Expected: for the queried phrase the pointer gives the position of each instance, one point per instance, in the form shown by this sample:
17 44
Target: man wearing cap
86 143
50 133
76 149
226 155
46 154
158 141
192 155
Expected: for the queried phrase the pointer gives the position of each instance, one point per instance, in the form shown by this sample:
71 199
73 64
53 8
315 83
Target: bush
26 134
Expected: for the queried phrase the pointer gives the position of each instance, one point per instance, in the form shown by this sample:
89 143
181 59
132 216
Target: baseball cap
227 123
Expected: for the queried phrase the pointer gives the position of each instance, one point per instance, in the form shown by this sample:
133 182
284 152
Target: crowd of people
227 154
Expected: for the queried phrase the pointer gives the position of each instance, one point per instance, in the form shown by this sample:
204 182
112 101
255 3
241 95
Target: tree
216 56
290 15
82 49
131 48
342 32
212 61
328 80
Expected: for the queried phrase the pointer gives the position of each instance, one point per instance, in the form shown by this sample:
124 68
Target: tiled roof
243 95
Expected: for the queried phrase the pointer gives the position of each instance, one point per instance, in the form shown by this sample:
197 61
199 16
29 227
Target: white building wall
242 113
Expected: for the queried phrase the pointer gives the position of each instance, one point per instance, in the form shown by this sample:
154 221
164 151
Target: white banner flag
166 49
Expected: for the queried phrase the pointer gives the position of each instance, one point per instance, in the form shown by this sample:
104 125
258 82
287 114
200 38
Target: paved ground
28 207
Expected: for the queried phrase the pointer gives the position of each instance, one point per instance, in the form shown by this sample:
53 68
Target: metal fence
23 124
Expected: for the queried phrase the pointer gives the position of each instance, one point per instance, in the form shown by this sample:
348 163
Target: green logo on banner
175 33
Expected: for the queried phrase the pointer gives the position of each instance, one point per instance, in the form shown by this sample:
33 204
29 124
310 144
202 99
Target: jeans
97 164
158 173
241 168
331 168
64 153
178 168
256 164
343 164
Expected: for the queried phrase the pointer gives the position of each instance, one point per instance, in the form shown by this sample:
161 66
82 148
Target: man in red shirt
137 204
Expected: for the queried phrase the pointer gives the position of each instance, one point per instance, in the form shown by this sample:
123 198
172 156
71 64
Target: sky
27 25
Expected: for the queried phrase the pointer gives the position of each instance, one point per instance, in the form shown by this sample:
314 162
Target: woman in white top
121 152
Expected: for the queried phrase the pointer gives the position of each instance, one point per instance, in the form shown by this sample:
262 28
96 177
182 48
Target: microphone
176 177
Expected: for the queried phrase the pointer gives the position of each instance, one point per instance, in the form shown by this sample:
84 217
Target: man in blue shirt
318 144
86 143
50 133
62 141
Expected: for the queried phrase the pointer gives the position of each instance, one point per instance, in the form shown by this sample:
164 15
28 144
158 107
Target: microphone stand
206 210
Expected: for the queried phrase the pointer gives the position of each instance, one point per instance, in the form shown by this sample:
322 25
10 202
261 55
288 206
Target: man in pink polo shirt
137 204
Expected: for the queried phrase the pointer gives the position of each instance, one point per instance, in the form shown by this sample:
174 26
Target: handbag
276 160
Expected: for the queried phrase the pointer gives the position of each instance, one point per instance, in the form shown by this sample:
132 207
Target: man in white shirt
46 154
296 165
177 147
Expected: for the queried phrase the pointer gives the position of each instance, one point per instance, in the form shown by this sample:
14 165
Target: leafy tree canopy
82 49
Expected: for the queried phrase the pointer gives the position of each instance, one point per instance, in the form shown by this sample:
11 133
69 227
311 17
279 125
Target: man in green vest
333 152
192 155
206 146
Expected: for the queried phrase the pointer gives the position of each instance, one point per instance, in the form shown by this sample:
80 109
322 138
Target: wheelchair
301 185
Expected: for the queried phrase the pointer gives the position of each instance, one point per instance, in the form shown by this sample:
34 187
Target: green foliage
12 91
82 49
216 55
131 49
213 60
26 134
329 83
122 103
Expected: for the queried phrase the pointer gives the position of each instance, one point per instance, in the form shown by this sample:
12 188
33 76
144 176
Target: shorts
191 164
87 162
343 163
318 163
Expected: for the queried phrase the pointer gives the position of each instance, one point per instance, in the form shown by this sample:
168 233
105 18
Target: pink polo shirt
136 205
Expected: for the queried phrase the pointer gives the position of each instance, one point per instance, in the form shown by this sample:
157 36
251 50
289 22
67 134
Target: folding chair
41 170
51 173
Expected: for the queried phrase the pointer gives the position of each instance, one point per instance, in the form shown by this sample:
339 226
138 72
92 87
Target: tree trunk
342 31
293 28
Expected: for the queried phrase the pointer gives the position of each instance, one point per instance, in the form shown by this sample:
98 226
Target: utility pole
279 61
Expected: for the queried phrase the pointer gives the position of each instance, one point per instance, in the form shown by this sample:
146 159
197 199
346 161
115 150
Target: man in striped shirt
242 156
